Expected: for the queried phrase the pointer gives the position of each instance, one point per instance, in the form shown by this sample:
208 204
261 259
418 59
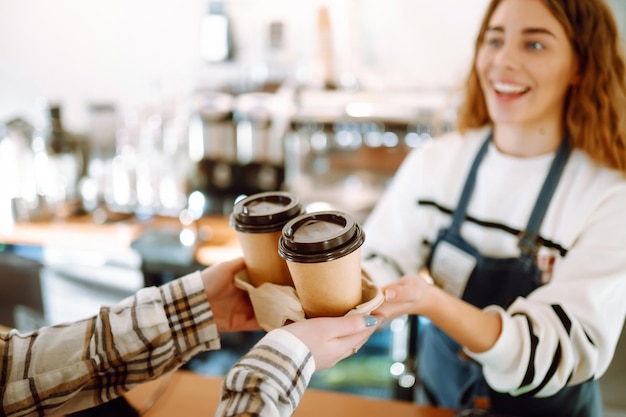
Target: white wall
422 42
619 8
78 52
81 51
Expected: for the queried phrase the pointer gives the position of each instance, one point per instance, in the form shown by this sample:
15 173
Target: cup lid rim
244 219
336 245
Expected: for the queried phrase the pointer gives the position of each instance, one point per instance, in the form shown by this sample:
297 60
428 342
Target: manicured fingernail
390 294
370 321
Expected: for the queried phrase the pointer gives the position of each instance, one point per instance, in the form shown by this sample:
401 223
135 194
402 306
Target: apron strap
461 208
528 239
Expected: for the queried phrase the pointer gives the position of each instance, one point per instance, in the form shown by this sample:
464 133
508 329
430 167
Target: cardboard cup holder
276 305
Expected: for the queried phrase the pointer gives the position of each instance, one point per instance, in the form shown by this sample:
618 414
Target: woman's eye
494 42
535 45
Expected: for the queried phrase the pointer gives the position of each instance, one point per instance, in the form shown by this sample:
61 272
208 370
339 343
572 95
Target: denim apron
449 377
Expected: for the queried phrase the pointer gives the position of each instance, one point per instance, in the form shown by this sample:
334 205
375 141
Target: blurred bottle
176 166
213 148
16 162
122 197
149 163
58 159
9 162
102 189
163 162
325 51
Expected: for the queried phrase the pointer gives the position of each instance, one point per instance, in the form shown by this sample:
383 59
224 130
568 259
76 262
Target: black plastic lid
264 212
319 237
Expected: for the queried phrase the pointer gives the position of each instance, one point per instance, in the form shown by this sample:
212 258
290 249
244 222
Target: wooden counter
192 395
81 232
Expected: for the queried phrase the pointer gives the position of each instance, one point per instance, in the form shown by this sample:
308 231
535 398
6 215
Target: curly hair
595 108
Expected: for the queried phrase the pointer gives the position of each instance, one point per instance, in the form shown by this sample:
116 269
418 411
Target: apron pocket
451 380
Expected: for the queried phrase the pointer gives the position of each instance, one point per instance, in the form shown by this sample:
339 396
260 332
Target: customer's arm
270 380
68 367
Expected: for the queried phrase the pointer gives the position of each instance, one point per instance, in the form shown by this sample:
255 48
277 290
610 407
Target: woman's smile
507 91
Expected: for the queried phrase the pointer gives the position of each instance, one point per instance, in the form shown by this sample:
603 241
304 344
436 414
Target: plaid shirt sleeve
68 367
269 380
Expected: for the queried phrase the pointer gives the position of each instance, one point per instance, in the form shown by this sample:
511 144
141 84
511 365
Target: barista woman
519 218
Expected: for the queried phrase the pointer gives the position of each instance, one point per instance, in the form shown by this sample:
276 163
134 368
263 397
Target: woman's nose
507 56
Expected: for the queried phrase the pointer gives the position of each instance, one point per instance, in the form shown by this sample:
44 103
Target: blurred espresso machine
342 148
235 147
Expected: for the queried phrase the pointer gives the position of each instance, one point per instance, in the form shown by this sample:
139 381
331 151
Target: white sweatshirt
581 309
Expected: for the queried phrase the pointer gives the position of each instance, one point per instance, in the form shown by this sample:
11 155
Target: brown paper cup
323 254
260 251
328 289
258 220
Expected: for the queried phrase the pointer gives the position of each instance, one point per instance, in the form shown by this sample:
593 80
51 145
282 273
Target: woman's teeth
510 88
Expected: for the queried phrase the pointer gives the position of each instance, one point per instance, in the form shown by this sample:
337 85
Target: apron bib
449 377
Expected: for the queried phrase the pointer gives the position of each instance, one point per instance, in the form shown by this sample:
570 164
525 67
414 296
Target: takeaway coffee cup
323 253
258 220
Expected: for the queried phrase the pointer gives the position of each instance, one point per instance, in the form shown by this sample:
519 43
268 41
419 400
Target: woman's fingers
331 339
406 296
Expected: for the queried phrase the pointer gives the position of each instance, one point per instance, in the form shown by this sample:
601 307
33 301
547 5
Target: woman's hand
416 294
331 339
231 306
409 295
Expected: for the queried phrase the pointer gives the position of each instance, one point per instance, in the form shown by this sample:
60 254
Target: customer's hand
408 295
231 306
331 339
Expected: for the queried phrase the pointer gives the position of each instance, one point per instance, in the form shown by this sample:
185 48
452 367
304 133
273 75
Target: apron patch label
545 262
451 267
